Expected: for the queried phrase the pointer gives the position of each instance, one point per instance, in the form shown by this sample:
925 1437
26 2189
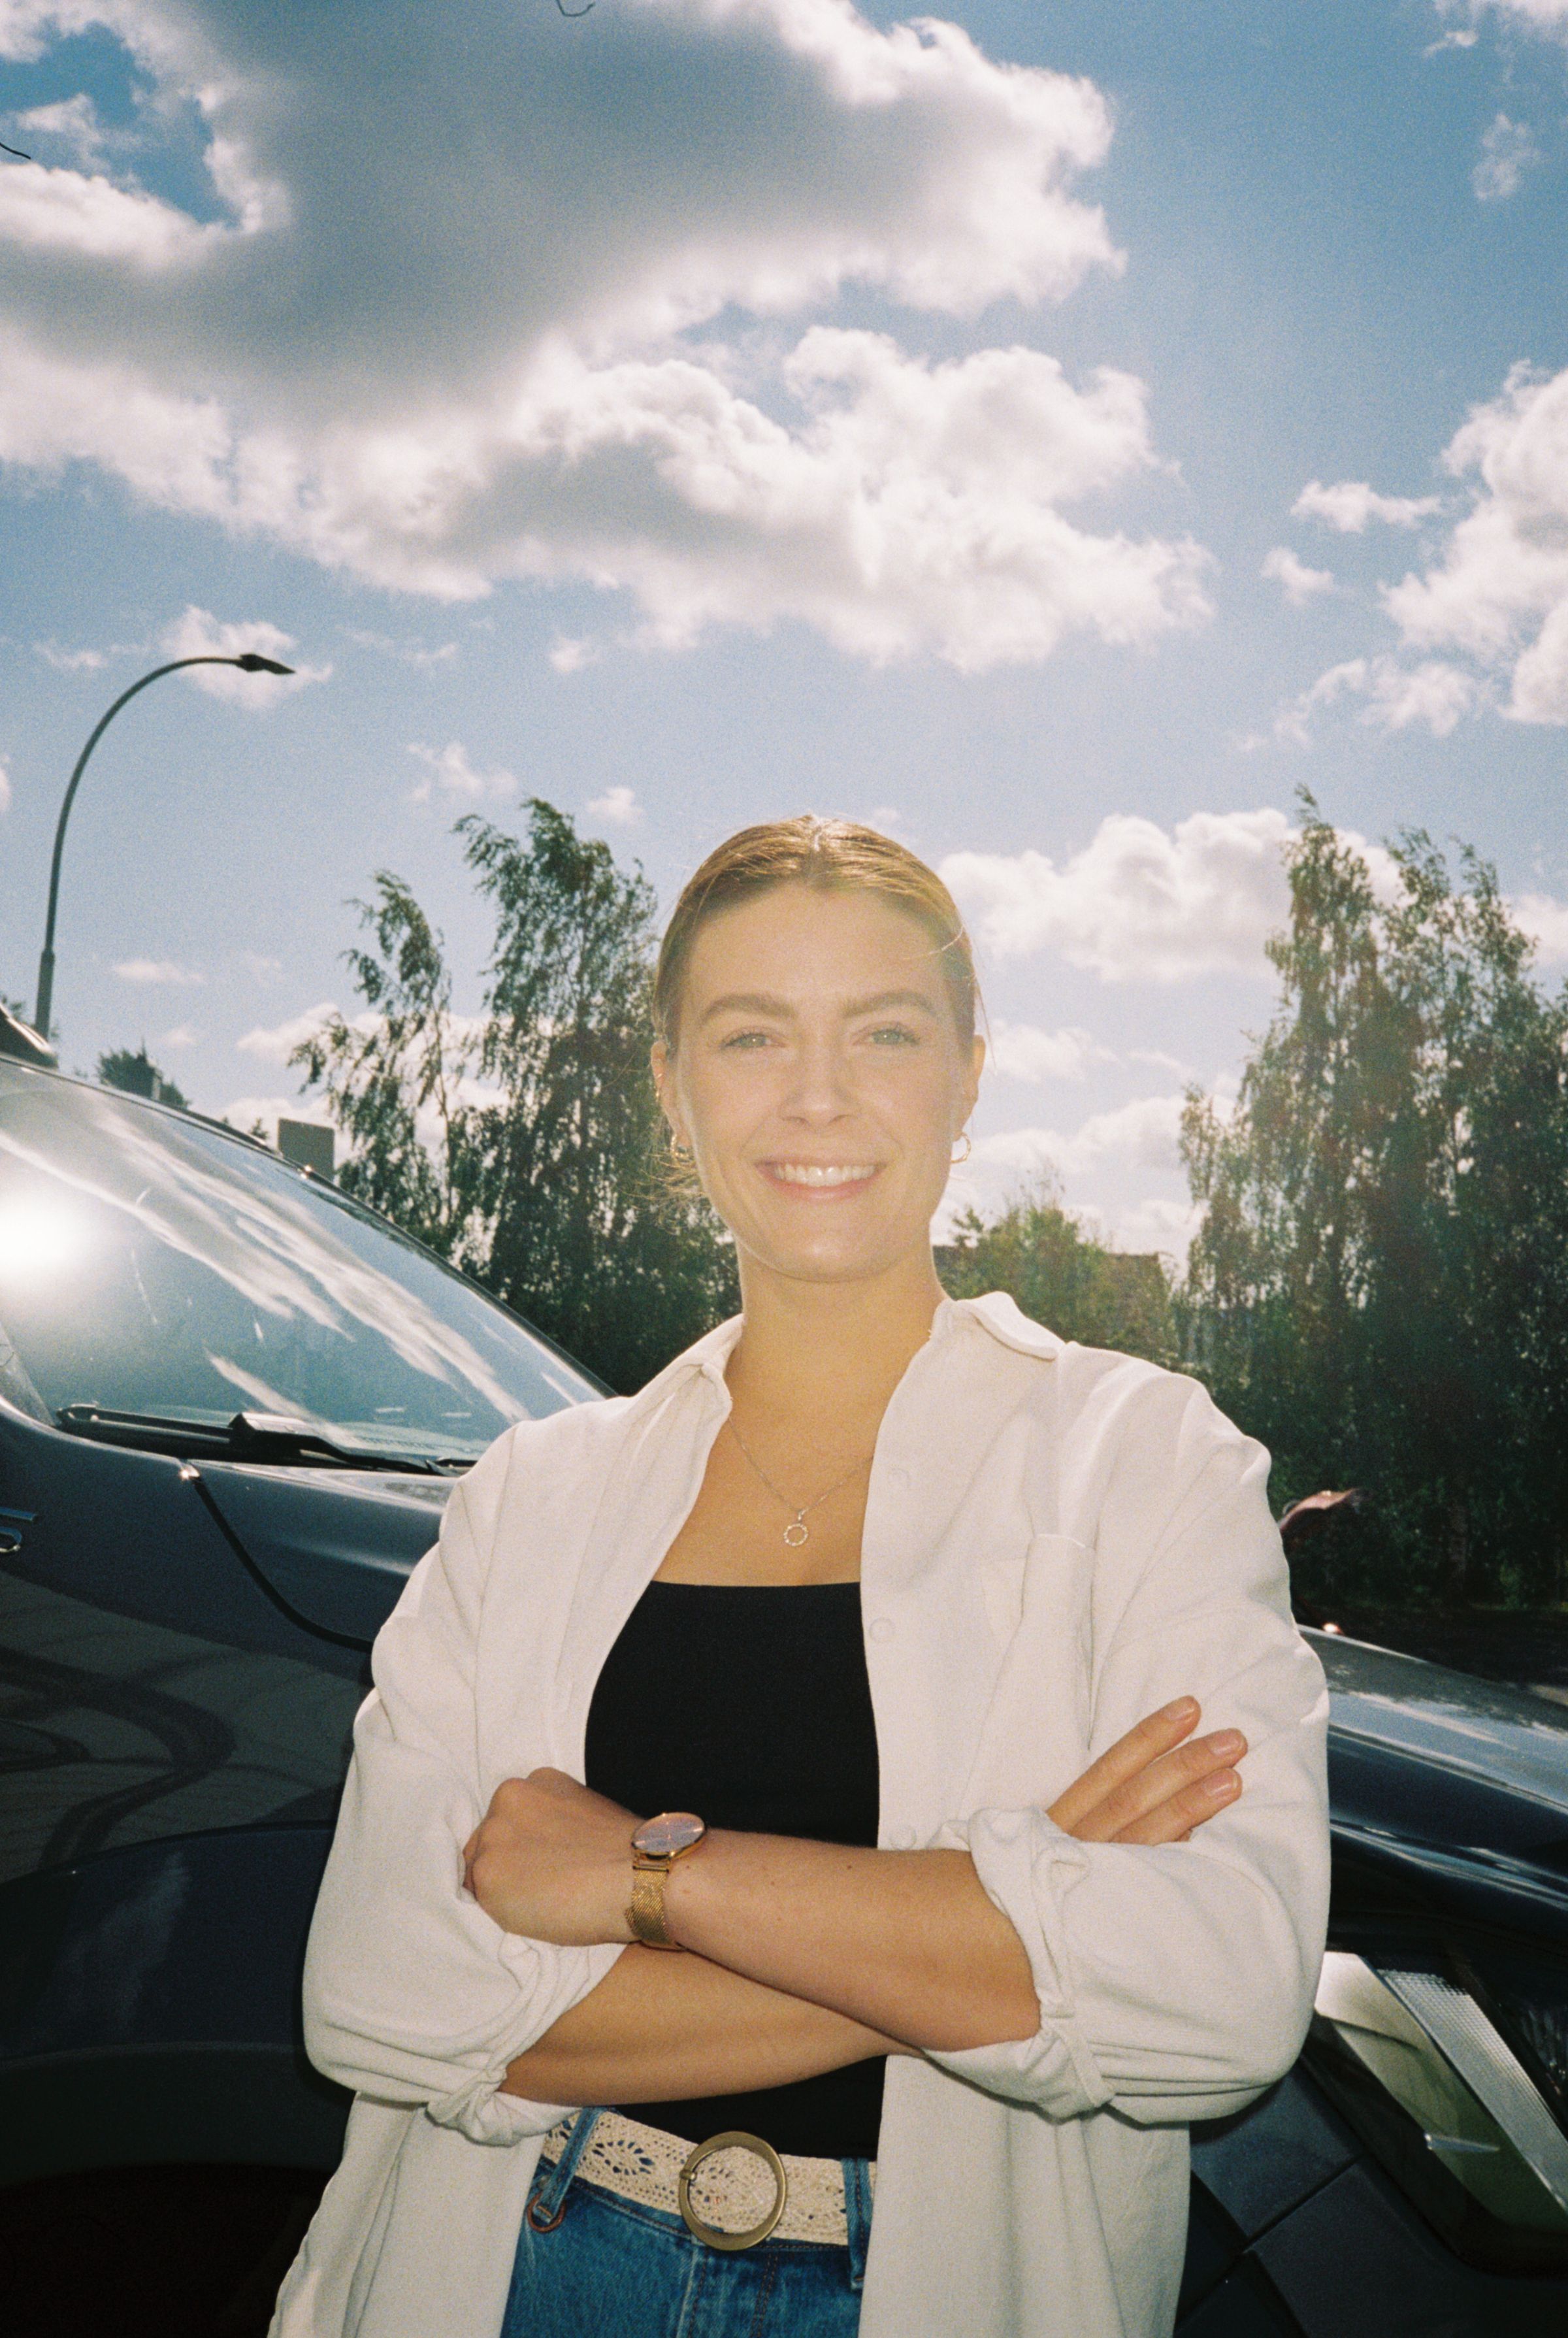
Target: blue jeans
591 2266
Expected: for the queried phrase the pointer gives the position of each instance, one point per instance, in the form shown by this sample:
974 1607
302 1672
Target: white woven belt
733 2191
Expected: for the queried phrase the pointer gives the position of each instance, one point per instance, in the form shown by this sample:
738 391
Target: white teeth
813 1173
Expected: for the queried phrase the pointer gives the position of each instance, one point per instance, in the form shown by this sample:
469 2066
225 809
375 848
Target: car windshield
151 1265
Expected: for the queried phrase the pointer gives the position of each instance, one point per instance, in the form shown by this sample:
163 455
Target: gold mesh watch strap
646 1914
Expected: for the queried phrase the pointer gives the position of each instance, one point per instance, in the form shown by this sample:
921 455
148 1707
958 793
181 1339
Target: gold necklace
797 1531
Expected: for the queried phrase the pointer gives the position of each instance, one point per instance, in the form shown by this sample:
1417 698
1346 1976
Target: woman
916 1606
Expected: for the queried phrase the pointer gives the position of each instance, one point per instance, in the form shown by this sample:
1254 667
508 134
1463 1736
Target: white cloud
161 970
70 661
407 652
1298 583
617 808
1154 1224
1021 1051
1507 151
441 371
1534 16
1350 503
570 653
278 1043
1142 904
4 786
1499 594
198 634
1138 903
184 1035
449 768
1138 1137
260 966
1431 694
1545 920
72 123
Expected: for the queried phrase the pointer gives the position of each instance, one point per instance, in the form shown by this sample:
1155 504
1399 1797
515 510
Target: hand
553 1862
1151 1787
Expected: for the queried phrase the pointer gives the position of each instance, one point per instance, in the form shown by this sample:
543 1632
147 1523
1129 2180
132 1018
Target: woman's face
819 1079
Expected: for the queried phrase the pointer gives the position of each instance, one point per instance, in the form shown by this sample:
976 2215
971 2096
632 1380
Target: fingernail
1221 1789
1183 1706
1229 1744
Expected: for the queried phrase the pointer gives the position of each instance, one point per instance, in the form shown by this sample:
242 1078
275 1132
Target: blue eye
747 1039
893 1035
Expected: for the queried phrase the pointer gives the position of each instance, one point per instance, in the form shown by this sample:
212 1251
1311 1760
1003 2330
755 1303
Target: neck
839 1346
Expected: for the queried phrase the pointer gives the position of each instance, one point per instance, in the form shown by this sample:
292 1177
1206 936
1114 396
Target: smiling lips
821 1179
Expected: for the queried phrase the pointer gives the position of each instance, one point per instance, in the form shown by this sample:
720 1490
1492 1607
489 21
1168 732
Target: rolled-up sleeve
412 1994
1176 1982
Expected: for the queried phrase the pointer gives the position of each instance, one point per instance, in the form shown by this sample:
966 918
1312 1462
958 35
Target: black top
751 1707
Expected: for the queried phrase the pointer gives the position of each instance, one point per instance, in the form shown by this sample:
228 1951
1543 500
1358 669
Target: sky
1057 434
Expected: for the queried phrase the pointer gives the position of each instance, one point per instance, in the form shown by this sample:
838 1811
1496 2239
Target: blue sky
1061 443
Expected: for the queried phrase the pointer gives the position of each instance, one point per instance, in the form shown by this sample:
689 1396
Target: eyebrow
761 1002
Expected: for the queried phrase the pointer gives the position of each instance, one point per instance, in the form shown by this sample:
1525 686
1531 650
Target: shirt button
881 1629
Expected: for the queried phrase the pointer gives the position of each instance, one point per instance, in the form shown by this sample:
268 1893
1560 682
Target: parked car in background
231 1405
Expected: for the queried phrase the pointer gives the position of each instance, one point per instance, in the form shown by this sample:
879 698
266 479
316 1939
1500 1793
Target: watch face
671 1832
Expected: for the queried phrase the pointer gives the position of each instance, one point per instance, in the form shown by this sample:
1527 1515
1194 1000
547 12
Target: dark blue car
232 1405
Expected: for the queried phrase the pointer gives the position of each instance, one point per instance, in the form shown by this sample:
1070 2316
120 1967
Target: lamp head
252 661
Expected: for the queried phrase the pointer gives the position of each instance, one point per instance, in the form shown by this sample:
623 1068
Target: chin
834 1254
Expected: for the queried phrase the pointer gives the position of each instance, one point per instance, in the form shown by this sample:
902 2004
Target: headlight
1433 2086
1528 2000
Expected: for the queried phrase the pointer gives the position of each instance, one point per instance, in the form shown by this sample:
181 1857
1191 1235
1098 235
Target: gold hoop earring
959 1158
682 1152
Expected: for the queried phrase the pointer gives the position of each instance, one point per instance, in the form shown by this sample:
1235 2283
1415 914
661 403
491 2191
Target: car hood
1472 1729
332 1548
1448 1795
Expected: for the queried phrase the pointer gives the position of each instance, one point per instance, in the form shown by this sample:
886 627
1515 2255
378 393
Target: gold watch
656 1845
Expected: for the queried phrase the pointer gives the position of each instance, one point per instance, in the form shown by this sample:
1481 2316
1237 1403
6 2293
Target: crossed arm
805 1955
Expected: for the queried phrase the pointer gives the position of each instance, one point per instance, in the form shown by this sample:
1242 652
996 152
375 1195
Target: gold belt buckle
714 2234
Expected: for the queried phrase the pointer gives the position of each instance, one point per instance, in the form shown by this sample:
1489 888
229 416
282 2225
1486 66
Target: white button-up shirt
1057 1542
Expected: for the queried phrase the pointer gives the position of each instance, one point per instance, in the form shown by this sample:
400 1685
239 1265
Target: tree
1379 1289
1042 1258
137 1074
395 1078
524 1144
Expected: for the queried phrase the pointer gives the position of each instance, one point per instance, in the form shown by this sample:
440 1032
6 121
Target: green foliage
1379 1289
1041 1257
525 1144
137 1074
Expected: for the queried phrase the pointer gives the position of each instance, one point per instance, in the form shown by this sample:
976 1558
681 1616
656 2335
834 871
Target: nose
822 1091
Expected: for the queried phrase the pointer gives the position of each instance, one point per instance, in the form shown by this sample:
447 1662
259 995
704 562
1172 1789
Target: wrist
659 1847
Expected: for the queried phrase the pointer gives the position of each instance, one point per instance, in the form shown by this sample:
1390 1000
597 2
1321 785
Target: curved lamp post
249 662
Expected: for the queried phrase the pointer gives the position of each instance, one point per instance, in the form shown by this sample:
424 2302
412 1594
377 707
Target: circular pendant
795 1533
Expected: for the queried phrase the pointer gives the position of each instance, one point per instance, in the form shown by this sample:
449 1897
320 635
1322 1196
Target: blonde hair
830 856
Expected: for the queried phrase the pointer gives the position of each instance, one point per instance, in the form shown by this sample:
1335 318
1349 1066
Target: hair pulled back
830 856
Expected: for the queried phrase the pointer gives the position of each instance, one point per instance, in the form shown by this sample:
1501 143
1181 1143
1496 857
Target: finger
1176 1820
1159 1781
1154 1735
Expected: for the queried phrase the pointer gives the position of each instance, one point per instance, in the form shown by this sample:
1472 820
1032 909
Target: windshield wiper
248 1437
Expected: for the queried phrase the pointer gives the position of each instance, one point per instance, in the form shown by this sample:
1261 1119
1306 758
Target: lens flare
40 1238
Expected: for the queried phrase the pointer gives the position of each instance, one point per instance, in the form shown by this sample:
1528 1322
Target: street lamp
250 661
